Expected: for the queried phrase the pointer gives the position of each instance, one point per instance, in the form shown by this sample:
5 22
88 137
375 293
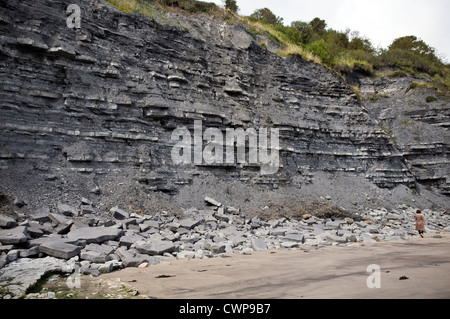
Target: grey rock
57 218
85 201
93 256
12 255
186 254
64 227
157 247
129 240
131 259
366 238
222 217
3 261
152 223
372 229
129 221
237 239
104 249
294 237
212 201
333 224
95 234
41 214
106 267
289 244
52 238
334 238
232 210
189 223
15 235
19 202
5 248
59 249
86 209
258 244
30 252
35 231
167 234
119 213
67 210
215 248
361 224
173 226
7 222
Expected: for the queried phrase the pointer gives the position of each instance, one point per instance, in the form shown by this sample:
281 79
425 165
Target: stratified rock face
82 107
419 128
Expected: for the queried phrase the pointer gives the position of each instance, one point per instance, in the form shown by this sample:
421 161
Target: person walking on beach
420 222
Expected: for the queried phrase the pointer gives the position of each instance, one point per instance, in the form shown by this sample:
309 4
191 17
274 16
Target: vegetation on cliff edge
344 52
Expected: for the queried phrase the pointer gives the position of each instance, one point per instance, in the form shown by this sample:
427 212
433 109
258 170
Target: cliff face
90 112
418 128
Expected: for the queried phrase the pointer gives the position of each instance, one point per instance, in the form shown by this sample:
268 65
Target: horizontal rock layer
419 129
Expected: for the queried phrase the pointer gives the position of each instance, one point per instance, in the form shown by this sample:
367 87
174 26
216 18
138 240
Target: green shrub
412 54
398 74
343 52
415 85
322 49
442 83
355 89
430 98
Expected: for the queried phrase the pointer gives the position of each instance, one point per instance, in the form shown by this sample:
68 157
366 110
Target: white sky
381 21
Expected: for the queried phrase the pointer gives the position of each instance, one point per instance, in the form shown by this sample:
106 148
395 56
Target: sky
381 21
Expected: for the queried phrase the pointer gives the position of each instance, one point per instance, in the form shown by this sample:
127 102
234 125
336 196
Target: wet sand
330 272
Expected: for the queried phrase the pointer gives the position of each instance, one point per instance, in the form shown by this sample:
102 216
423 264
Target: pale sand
331 272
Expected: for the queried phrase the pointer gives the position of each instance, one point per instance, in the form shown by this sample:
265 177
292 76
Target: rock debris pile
74 239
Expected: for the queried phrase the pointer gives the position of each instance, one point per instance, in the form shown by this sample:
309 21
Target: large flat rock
13 236
95 234
59 249
158 247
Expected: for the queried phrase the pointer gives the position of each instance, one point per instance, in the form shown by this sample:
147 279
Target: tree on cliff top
231 5
266 16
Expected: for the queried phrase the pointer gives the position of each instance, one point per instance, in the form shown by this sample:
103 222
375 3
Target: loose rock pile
74 239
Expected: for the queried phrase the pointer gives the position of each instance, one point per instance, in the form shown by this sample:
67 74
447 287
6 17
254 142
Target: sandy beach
330 272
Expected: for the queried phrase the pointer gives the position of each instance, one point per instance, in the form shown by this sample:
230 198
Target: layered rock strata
418 127
83 107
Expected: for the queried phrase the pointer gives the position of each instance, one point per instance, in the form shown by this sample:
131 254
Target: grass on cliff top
289 48
147 8
342 52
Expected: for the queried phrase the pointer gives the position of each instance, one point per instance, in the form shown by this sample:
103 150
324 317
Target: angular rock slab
156 247
59 249
95 234
212 201
130 259
13 236
258 244
7 222
119 213
189 223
